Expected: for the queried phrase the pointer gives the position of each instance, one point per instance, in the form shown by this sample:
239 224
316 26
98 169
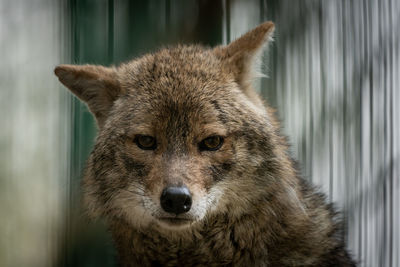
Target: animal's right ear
97 86
239 56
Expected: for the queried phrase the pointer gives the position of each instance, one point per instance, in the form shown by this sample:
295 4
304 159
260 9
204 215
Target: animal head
182 135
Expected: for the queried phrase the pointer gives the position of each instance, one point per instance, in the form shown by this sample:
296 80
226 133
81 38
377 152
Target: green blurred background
333 75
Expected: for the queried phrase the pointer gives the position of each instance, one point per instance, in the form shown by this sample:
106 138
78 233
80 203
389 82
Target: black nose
176 199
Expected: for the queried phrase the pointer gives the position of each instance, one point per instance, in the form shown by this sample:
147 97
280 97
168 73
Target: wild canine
189 167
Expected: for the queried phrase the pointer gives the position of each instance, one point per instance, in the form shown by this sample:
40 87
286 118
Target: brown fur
250 208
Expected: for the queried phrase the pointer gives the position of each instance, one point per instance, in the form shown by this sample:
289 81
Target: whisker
134 192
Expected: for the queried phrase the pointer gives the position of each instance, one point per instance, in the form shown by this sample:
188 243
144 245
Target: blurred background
333 75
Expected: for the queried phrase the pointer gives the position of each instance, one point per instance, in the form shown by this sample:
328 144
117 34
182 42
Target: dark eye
211 143
146 142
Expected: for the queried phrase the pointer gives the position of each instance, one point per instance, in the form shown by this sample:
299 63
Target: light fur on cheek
130 204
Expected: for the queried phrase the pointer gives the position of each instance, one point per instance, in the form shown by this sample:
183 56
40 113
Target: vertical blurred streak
348 145
359 22
373 105
349 129
363 139
395 144
168 14
226 23
324 178
345 184
310 47
383 42
389 146
391 143
110 31
65 109
68 213
388 248
389 140
262 5
395 115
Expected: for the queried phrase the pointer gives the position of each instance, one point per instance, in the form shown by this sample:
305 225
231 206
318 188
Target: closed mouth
175 221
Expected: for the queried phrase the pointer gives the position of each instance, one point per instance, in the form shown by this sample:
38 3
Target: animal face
182 136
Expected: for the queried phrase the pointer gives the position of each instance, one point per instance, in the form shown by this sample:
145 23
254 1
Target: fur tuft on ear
239 56
97 86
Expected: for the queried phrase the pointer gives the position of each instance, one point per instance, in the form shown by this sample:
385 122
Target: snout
176 199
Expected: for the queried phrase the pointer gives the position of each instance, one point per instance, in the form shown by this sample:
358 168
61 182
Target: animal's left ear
239 57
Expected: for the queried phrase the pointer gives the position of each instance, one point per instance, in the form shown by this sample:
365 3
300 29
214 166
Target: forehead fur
185 79
176 83
179 72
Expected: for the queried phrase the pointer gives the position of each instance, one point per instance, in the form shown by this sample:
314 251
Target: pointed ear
97 86
239 57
